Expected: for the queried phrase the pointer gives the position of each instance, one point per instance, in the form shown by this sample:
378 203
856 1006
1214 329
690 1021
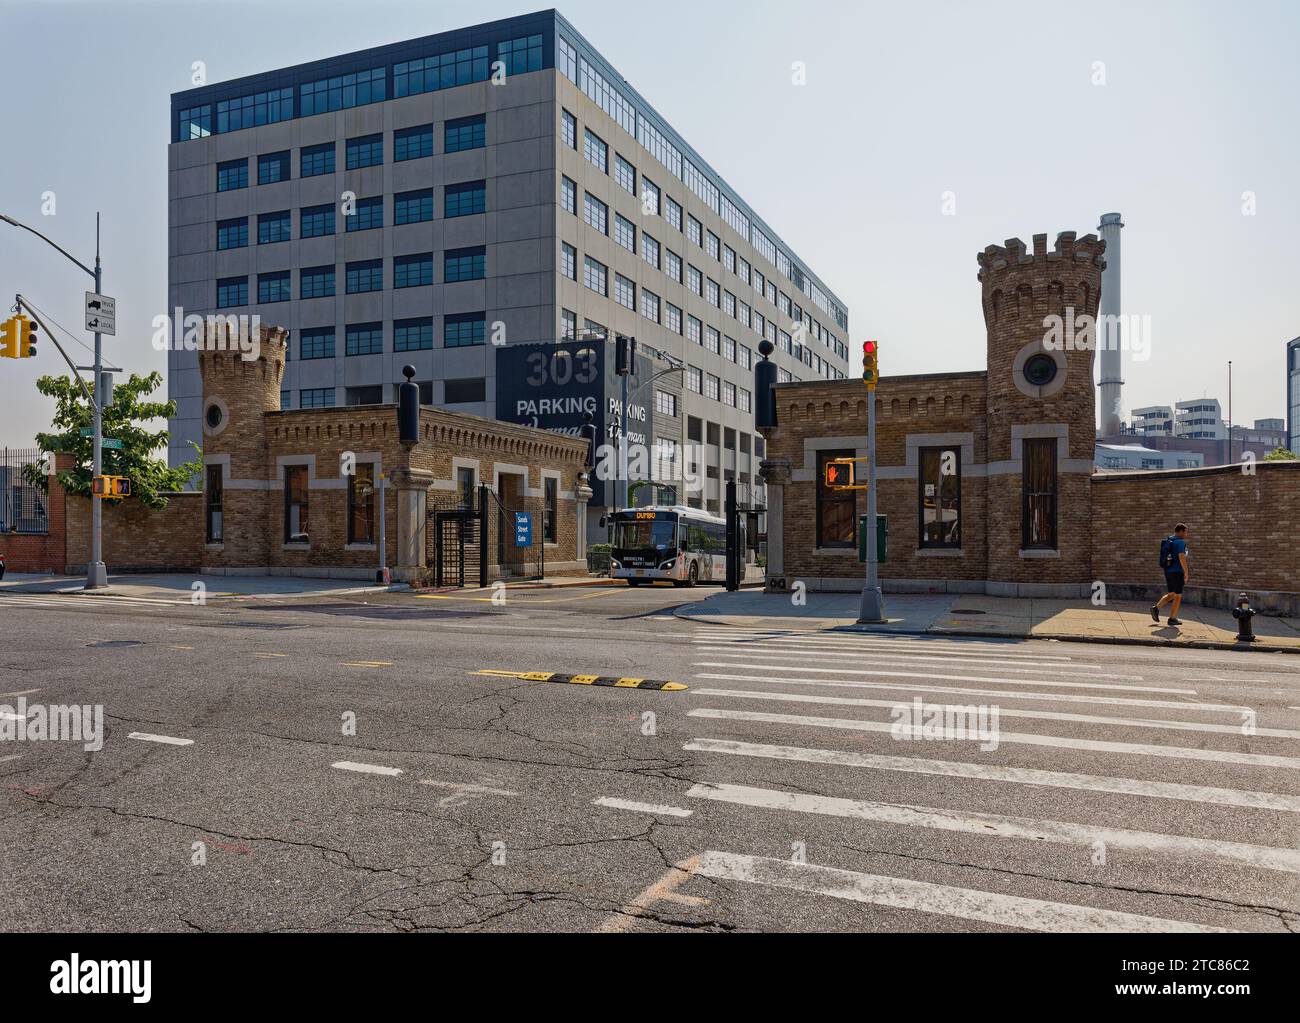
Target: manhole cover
110 643
967 611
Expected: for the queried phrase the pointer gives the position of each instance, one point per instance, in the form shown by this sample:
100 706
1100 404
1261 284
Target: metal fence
23 505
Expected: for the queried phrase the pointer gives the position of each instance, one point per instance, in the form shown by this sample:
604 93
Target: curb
1194 644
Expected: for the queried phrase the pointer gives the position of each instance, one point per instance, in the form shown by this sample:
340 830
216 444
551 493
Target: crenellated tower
1039 314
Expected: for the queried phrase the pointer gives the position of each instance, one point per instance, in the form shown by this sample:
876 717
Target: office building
1293 394
426 201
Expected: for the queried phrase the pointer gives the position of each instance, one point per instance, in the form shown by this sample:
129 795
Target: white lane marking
1012 775
996 825
1004 694
823 640
12 756
5 715
1031 667
941 899
1009 712
1015 738
166 740
628 804
348 765
70 600
21 692
947 678
463 792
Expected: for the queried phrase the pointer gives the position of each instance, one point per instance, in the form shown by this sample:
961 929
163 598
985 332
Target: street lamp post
96 572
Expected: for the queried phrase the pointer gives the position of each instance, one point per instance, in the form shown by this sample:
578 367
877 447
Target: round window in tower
214 416
1040 370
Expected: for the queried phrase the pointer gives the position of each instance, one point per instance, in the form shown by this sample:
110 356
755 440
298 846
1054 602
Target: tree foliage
1282 455
125 419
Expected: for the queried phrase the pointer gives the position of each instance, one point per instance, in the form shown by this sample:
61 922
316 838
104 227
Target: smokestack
1112 365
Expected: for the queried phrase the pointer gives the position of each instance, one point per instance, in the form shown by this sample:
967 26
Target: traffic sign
523 529
101 314
111 443
88 431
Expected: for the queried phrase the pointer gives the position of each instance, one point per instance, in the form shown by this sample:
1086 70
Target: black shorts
1174 581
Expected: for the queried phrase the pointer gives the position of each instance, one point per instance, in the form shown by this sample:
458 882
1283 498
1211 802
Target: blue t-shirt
1176 547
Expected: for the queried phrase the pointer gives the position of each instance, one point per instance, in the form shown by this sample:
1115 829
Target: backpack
1168 556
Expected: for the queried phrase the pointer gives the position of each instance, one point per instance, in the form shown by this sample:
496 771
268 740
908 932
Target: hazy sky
993 101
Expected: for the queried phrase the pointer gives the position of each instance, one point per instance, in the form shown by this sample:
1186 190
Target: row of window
596 214
358 88
938 499
365 151
415 334
607 96
411 271
467 391
415 207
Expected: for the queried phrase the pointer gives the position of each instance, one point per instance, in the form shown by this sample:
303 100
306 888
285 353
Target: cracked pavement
253 827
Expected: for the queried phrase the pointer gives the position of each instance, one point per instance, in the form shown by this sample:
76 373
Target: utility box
882 538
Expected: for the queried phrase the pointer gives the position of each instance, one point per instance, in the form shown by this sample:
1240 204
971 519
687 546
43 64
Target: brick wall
45 553
1241 528
139 539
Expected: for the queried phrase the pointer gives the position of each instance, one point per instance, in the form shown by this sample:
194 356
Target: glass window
274 227
711 337
316 221
728 393
712 292
367 215
316 282
465 392
413 335
413 143
274 287
694 280
212 504
650 250
694 379
624 232
232 234
316 160
837 518
569 129
365 275
712 243
462 330
939 497
672 213
673 265
521 55
465 485
194 123
728 348
624 292
568 325
649 197
595 213
566 58
465 133
694 229
464 264
650 305
550 508
415 207
569 196
712 386
316 397
232 174
366 151
232 291
665 403
672 318
568 261
364 338
694 330
746 359
295 498
625 174
729 258
1040 495
465 199
441 71
361 504
317 343
596 151
343 91
413 271
596 276
272 167
745 401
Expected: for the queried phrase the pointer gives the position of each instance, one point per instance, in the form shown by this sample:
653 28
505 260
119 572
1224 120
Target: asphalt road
1118 788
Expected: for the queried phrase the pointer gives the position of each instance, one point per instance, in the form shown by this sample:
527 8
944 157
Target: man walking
1173 559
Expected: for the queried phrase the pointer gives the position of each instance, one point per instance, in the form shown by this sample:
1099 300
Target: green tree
1282 455
125 419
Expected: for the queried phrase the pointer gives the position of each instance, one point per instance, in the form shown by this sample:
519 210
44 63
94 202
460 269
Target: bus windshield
645 534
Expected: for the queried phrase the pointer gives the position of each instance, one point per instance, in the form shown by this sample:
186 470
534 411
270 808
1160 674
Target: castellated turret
1039 314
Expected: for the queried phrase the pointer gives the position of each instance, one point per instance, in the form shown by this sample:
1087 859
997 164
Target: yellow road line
601 681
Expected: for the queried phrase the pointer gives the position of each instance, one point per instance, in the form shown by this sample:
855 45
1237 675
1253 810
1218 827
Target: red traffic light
839 474
868 348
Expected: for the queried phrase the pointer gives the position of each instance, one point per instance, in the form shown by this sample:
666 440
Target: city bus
683 545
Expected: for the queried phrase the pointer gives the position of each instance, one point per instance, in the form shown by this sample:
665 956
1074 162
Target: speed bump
607 681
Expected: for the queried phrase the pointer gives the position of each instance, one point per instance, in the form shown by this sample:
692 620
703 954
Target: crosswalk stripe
12 756
166 740
1012 775
824 639
1003 694
947 678
72 601
995 825
1033 667
1009 712
348 765
627 804
1015 738
940 899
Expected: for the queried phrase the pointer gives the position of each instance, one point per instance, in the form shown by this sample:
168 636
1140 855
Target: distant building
1293 394
1266 433
1153 421
1137 457
1200 419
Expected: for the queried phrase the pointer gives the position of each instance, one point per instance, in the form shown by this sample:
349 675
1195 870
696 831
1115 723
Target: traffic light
839 475
26 338
10 331
870 369
624 353
111 488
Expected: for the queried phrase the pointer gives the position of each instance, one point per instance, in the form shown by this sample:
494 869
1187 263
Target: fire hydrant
1244 614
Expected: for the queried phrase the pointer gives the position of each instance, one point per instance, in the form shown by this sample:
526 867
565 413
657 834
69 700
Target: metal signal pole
872 609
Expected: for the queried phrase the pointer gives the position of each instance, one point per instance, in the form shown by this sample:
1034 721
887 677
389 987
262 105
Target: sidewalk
1004 617
176 587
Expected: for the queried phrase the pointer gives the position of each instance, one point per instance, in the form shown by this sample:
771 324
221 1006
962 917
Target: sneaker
1175 621
1155 614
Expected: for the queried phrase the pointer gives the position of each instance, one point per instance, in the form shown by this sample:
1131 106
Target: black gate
746 517
478 538
452 539
517 537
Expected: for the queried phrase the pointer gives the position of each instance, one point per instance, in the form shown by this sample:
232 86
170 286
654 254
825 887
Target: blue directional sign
523 529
